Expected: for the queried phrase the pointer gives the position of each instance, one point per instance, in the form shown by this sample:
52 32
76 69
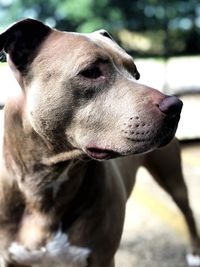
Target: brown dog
60 203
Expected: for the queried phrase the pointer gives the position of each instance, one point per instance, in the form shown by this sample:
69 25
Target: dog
72 141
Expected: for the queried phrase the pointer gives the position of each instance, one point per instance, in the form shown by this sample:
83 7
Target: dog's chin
149 145
134 147
101 153
166 141
98 153
166 136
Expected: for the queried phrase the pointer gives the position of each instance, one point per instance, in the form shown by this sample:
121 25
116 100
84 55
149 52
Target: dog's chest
57 252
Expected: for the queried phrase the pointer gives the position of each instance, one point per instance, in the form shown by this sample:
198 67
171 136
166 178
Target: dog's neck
35 167
26 152
39 181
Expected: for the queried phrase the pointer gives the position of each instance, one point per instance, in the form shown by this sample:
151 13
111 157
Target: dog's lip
101 153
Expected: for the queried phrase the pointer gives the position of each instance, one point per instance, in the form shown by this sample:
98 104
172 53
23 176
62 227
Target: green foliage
173 26
76 10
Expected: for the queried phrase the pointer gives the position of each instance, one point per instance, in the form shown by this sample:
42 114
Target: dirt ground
155 233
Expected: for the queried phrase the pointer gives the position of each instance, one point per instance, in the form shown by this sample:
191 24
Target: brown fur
59 120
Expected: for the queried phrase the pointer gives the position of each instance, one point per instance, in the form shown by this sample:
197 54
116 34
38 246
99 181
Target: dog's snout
171 105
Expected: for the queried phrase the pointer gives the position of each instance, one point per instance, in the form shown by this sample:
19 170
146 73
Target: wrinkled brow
86 60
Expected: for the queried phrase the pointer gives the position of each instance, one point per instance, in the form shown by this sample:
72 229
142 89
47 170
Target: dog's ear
105 34
21 41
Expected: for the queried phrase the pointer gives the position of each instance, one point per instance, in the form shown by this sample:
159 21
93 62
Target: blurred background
162 36
164 39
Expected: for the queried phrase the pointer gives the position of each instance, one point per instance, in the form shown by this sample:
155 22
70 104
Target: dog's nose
171 105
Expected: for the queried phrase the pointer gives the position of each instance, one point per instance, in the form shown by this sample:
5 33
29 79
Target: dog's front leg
35 229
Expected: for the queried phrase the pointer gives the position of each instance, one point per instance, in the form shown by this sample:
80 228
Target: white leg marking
2 262
24 256
193 260
57 252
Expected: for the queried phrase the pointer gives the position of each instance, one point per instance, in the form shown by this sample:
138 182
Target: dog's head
81 90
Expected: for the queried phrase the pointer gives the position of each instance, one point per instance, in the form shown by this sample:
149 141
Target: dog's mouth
101 153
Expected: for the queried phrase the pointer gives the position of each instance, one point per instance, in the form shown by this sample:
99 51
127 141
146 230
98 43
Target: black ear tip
105 34
29 21
30 25
137 75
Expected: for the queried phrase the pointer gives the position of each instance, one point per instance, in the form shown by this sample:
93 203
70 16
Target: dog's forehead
74 51
73 45
104 40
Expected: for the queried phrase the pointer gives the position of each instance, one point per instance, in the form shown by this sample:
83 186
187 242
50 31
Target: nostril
171 105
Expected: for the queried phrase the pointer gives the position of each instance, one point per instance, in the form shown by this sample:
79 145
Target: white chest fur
57 252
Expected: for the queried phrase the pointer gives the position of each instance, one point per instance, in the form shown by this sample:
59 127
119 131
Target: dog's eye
92 72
